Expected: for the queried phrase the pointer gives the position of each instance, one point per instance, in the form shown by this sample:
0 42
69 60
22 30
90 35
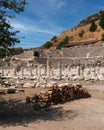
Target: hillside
80 32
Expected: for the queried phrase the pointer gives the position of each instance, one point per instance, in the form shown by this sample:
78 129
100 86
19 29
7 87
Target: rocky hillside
79 33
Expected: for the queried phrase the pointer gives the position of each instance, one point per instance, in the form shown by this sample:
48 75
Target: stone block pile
57 94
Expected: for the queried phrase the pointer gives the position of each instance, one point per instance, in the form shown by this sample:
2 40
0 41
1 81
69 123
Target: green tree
54 39
2 53
81 33
63 42
48 44
93 27
101 23
102 37
8 36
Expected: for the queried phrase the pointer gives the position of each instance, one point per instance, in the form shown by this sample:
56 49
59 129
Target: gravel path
83 114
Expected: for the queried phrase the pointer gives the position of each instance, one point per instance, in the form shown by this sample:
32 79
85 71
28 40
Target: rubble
11 90
3 91
28 85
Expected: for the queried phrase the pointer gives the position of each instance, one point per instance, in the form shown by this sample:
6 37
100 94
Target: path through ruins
83 114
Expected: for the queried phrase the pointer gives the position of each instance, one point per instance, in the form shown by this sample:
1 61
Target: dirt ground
83 114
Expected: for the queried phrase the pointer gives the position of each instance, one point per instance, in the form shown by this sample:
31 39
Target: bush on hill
93 27
81 33
65 41
101 23
48 44
102 37
54 39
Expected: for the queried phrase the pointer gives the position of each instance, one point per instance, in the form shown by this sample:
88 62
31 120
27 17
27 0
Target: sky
43 19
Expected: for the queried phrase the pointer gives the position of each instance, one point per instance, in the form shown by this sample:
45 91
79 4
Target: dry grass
74 33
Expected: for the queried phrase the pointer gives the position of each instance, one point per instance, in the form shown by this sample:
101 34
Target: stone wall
56 68
75 63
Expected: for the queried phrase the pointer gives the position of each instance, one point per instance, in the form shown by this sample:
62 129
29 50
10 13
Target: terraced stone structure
83 62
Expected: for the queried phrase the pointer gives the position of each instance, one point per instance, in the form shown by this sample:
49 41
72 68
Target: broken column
39 71
48 69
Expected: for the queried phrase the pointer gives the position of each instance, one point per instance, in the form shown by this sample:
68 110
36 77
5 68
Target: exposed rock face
75 63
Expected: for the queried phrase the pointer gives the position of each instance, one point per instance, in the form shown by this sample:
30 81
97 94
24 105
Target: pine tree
8 37
93 27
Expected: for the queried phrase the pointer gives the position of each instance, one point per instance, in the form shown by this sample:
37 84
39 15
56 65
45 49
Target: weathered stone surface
3 90
28 85
79 63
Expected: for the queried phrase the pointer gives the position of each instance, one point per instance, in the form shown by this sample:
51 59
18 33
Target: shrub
102 37
15 51
54 39
81 33
48 44
93 27
10 52
101 23
65 41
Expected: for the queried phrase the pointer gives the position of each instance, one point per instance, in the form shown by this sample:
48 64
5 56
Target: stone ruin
69 64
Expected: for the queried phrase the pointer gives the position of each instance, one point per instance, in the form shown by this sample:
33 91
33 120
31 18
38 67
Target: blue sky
44 19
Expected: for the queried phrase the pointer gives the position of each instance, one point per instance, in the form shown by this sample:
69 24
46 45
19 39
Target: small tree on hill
48 44
65 41
102 37
54 39
93 27
81 33
101 23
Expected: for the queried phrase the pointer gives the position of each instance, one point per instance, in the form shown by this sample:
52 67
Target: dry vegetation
82 31
74 34
87 35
